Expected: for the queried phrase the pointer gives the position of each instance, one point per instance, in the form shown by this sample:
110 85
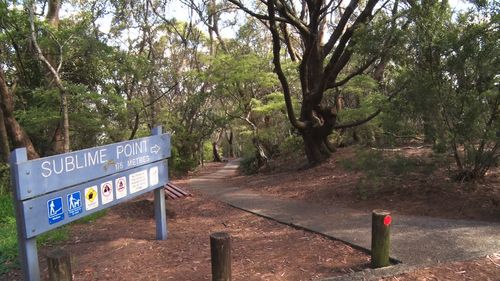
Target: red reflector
387 220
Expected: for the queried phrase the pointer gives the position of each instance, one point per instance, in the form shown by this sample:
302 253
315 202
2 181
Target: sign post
52 191
160 208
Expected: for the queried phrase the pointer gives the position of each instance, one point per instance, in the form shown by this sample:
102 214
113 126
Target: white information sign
153 176
138 181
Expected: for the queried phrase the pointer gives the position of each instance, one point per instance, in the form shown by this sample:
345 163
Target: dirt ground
484 269
403 181
121 245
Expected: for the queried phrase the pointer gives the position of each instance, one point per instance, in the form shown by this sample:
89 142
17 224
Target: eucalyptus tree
240 81
16 69
453 66
327 34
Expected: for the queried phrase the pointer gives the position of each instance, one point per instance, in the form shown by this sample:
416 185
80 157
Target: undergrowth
382 173
8 233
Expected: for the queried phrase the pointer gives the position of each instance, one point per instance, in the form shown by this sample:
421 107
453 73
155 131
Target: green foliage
249 165
208 151
8 233
291 145
454 85
8 243
380 173
5 185
180 163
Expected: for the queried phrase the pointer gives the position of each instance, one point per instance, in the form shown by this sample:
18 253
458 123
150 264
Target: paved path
414 240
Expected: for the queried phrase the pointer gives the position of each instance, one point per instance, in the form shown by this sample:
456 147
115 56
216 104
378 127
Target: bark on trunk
260 153
16 133
231 144
53 13
4 139
57 141
316 144
316 148
65 120
215 147
52 68
215 151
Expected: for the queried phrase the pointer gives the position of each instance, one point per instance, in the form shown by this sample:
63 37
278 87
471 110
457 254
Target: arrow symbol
155 149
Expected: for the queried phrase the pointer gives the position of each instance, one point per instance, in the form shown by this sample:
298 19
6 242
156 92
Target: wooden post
381 221
59 264
220 248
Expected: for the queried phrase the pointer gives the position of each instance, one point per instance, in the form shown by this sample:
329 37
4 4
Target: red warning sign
121 187
107 192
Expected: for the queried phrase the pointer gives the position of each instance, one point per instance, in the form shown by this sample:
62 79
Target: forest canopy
253 79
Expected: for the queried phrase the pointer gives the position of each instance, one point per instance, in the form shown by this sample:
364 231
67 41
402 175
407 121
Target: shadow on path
414 240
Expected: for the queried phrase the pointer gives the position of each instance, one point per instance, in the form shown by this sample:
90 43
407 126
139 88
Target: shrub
249 165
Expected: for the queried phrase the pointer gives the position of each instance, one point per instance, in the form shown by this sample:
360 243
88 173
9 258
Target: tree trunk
16 133
260 153
52 69
316 148
53 13
231 144
215 151
57 141
215 146
53 20
315 136
4 139
65 121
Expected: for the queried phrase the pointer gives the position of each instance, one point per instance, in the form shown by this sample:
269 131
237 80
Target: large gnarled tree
326 32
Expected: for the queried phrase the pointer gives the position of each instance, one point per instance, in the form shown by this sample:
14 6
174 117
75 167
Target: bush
8 235
291 146
380 172
5 185
249 165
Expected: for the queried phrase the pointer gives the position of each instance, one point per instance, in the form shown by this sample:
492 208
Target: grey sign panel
49 174
53 191
55 209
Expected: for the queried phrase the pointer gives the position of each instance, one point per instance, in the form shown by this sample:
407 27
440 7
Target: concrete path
414 240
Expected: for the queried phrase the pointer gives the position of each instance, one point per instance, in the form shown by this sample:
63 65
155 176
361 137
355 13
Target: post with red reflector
381 224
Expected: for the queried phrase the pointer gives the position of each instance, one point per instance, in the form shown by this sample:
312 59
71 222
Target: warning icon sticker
91 198
121 187
55 210
106 192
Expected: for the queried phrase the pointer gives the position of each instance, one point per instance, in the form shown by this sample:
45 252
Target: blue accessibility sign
55 210
74 203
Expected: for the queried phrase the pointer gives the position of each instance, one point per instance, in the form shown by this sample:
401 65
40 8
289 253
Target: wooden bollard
220 248
59 264
381 222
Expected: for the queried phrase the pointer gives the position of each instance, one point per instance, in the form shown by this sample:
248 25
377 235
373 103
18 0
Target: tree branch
357 72
297 23
279 71
40 55
371 116
340 27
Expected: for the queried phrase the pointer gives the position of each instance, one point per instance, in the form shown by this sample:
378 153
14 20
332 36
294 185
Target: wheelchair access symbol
55 210
74 203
